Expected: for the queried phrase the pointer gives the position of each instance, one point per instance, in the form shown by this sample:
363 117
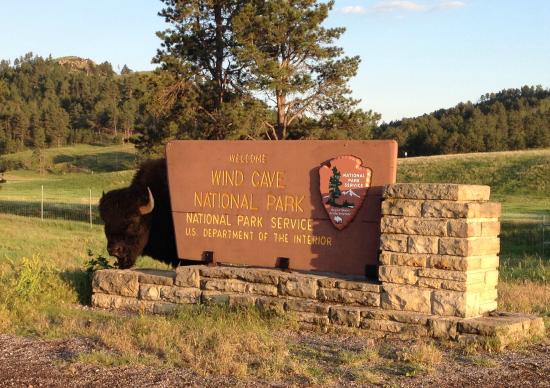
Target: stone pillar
440 249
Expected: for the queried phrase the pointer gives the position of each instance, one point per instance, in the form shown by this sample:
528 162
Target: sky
417 55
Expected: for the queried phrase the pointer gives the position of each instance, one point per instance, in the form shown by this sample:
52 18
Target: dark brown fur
130 234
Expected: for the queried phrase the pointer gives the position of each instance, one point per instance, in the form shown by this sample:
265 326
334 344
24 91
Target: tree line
511 119
44 103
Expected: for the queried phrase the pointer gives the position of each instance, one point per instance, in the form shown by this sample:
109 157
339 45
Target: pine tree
334 187
292 60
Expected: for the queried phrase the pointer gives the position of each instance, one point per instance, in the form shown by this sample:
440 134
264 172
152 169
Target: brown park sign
316 203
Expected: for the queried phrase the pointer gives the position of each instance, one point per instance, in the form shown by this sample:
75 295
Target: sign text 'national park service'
316 203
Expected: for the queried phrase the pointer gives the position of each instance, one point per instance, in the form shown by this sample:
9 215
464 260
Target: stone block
149 292
422 244
101 300
394 242
298 286
490 229
408 317
271 304
311 318
156 276
438 191
442 274
242 300
472 246
226 285
180 295
491 278
464 228
188 276
218 272
327 282
455 304
456 210
489 262
441 327
261 289
414 226
397 274
405 259
306 306
116 282
402 207
357 285
395 315
349 296
488 307
489 210
507 324
214 297
441 284
345 316
382 325
488 295
453 263
110 301
448 209
406 298
264 276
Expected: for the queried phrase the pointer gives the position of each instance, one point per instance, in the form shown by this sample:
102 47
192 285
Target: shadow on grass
81 281
103 162
520 239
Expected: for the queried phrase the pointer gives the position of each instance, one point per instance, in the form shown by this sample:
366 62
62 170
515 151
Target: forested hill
51 102
512 119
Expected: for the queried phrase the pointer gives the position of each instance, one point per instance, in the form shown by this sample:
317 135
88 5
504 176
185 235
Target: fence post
91 220
42 205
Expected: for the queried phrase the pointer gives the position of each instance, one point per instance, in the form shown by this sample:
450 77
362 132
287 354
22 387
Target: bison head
127 217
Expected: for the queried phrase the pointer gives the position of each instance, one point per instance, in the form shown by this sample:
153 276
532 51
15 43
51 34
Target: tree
334 187
199 45
291 58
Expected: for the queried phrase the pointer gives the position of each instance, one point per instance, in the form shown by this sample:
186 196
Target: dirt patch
26 362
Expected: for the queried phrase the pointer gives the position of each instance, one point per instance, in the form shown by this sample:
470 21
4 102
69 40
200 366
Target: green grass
520 179
66 193
83 157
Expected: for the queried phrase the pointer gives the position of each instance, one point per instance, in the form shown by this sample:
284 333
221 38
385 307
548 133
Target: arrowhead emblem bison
343 185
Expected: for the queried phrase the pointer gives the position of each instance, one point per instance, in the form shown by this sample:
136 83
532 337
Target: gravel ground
29 362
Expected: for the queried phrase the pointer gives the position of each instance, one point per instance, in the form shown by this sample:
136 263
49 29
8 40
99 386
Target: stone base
313 299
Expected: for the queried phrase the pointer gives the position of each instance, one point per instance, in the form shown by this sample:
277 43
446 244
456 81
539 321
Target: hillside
512 119
47 102
520 179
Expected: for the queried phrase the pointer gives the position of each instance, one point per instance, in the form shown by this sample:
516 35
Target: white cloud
354 9
450 5
400 6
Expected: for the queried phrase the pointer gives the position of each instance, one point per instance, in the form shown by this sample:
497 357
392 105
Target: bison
138 218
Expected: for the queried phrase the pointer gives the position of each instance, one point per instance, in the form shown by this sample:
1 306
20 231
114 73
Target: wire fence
79 205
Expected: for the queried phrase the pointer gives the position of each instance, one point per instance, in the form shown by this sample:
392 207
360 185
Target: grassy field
518 179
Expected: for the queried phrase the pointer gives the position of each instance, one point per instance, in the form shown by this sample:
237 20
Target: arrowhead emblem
343 185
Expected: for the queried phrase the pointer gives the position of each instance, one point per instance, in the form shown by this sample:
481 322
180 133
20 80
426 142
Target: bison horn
148 208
